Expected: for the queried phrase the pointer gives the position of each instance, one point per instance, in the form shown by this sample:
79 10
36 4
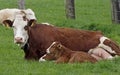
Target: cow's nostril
20 38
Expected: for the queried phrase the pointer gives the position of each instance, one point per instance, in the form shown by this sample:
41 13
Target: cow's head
22 20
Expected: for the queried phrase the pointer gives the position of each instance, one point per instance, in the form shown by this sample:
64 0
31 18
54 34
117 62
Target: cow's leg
100 53
109 46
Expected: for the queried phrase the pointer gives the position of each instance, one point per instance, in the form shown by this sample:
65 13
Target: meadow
90 15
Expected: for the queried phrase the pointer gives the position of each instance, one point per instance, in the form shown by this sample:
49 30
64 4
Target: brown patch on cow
113 46
65 55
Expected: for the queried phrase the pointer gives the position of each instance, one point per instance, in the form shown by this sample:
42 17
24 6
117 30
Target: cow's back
80 39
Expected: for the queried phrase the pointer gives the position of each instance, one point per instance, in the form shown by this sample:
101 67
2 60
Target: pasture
90 15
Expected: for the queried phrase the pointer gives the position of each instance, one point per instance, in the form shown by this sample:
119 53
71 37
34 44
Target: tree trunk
21 4
115 11
69 9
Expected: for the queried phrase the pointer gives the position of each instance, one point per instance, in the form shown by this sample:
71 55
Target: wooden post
70 9
115 11
21 4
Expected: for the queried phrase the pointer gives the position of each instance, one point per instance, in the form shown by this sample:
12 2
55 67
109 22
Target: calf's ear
8 23
32 22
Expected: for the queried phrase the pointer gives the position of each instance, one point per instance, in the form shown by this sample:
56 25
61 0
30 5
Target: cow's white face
21 19
20 34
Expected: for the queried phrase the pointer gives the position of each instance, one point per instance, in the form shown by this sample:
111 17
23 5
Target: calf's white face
20 34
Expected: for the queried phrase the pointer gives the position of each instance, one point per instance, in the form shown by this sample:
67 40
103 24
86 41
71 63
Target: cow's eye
26 27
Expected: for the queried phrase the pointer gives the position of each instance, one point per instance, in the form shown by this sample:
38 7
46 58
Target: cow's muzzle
18 40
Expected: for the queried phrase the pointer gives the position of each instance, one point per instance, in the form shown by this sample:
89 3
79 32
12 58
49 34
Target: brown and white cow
63 54
10 14
35 39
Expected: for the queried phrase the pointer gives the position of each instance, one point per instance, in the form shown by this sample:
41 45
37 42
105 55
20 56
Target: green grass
90 15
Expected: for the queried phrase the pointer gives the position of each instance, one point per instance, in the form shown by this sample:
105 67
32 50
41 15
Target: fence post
21 4
70 9
115 11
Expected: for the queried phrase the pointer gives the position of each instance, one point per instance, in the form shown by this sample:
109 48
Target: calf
64 55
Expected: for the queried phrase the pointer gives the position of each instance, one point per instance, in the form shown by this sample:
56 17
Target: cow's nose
18 39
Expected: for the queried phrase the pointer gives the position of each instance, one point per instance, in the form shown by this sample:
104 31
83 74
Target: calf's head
55 49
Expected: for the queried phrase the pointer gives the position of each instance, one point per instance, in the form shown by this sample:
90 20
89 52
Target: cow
35 38
10 13
63 54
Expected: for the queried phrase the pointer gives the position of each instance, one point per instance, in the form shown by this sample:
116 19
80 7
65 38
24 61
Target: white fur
46 23
110 57
48 49
30 14
8 14
19 31
90 51
99 53
41 59
19 24
102 39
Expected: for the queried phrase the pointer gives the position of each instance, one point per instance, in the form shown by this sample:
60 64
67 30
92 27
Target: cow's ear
32 22
8 23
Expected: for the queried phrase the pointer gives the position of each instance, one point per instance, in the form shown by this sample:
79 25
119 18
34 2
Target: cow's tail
110 46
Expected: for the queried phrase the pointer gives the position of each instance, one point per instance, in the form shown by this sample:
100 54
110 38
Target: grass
90 15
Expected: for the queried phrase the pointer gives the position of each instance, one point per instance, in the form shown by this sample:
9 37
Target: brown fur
113 45
65 55
48 57
41 36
